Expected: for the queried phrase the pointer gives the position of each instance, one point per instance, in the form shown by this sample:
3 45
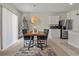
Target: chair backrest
46 31
25 37
24 31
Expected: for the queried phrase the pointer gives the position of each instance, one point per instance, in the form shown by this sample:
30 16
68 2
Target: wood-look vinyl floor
60 46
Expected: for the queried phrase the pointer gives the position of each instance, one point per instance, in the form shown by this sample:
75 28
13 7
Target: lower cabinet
55 33
74 38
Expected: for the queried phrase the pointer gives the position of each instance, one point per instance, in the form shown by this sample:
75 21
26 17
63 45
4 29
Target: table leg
29 43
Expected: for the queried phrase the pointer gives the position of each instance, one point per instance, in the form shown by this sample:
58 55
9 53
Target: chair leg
29 44
41 45
46 43
38 43
24 43
33 42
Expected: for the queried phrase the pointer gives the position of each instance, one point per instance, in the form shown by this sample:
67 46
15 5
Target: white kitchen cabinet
76 23
75 19
55 33
54 20
74 38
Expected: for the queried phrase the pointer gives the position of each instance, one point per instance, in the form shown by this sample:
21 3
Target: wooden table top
35 34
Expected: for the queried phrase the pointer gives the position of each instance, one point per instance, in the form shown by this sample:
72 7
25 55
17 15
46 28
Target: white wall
45 19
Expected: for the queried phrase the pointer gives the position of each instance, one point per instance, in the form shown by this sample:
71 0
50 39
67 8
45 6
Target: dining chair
28 40
42 40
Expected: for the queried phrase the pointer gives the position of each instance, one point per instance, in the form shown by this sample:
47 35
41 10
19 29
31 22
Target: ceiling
45 7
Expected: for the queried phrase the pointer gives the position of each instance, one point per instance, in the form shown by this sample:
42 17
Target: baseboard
20 37
8 46
73 45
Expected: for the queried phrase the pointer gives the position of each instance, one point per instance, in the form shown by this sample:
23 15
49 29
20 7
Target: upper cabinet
76 23
54 20
75 19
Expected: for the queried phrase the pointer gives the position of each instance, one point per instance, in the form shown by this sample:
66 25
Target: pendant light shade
34 19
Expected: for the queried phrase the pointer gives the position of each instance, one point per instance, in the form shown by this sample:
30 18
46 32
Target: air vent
77 14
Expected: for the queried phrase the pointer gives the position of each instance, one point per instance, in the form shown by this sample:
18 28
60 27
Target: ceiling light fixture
34 5
71 3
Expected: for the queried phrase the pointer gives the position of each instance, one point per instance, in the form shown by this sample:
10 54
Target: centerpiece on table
34 21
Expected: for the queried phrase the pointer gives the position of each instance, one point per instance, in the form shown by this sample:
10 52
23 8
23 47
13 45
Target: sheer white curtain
9 28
